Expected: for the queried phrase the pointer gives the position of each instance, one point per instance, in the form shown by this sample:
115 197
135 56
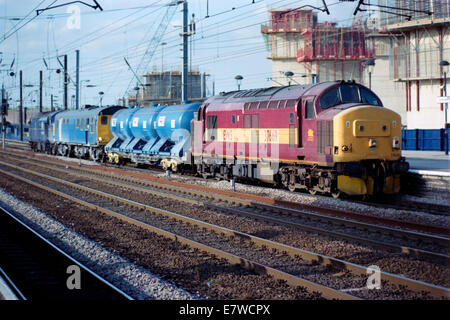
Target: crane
154 42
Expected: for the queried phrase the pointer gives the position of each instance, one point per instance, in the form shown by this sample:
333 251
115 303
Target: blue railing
424 139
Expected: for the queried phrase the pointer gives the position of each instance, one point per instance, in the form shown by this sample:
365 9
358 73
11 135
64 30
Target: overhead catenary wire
172 47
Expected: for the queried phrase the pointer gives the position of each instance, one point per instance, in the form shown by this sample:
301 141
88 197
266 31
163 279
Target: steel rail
292 280
323 231
443 241
238 199
414 285
36 290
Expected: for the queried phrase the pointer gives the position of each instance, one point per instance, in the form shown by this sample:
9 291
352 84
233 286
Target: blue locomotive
79 133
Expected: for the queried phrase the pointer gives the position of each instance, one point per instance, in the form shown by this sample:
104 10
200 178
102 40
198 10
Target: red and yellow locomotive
332 137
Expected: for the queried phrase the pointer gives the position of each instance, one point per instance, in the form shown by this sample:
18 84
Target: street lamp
445 66
101 93
239 81
370 65
289 75
137 94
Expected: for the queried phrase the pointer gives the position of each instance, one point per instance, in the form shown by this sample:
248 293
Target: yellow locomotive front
367 151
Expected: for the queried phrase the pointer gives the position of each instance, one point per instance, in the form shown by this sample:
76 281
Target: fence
424 139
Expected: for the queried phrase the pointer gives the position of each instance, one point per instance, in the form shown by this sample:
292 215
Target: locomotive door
299 125
309 125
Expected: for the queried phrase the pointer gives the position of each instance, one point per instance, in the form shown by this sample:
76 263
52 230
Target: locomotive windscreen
347 93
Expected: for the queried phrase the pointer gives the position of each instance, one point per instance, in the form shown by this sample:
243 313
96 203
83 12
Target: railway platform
428 162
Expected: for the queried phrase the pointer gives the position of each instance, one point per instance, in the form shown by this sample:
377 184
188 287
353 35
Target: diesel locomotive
332 137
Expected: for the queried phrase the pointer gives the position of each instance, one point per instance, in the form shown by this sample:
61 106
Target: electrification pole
4 112
185 53
21 107
40 91
77 81
66 82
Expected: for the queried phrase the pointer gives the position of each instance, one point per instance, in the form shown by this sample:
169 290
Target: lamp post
370 64
445 66
239 81
101 93
289 75
137 94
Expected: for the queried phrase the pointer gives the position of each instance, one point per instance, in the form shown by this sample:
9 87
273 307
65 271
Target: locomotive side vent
324 136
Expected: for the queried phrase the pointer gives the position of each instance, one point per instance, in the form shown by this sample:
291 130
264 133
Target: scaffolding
417 9
165 87
417 44
324 49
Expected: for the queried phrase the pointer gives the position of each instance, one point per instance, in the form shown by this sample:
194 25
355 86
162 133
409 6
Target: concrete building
407 52
164 87
407 44
313 51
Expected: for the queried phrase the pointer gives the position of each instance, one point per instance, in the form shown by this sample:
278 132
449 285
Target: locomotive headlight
344 148
100 139
372 143
395 143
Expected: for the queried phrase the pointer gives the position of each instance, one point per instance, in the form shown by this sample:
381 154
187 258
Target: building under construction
314 51
407 45
165 88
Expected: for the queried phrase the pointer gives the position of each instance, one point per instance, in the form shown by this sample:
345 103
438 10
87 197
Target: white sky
224 46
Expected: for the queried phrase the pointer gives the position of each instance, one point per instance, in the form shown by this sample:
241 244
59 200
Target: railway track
290 255
396 202
37 270
292 217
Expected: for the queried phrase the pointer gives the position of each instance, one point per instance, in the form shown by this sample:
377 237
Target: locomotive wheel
312 191
205 175
291 187
336 194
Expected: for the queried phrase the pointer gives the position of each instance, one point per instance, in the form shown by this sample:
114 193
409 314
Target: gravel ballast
126 275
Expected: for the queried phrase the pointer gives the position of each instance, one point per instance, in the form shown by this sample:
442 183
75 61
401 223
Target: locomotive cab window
212 127
368 97
329 98
104 120
309 110
349 93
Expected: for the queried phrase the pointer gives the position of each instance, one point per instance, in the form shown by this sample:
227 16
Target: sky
227 43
